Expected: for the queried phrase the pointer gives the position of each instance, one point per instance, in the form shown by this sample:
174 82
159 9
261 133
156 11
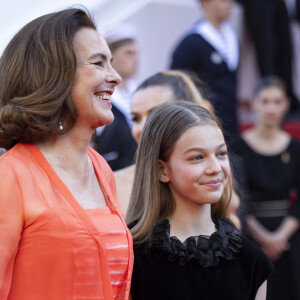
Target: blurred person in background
268 25
272 164
114 142
211 50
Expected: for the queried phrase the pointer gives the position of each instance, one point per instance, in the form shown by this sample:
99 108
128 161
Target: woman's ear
163 171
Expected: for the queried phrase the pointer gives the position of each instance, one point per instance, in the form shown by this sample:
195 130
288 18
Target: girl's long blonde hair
151 199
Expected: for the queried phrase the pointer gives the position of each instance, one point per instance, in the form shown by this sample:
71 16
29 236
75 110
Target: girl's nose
213 166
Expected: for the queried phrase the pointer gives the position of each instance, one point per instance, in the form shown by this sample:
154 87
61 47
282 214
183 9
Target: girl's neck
191 221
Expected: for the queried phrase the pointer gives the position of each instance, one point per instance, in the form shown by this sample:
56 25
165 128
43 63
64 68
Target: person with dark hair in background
210 49
62 235
272 165
115 142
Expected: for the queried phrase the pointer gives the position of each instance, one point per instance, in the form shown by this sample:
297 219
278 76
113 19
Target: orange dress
50 247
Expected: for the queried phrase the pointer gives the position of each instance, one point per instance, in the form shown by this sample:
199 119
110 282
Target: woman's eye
98 63
135 119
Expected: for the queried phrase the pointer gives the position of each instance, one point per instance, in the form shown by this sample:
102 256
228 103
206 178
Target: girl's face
143 102
198 168
95 79
271 106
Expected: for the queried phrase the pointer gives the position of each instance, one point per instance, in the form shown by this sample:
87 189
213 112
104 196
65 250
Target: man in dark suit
210 49
268 24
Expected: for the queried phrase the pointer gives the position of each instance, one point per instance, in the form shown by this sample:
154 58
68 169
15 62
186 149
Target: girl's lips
213 183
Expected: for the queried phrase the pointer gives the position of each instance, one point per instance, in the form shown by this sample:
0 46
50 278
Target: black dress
274 183
223 266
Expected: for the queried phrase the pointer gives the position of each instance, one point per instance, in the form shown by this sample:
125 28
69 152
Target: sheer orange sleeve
11 224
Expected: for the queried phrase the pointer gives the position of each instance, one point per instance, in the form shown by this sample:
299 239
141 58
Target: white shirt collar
224 41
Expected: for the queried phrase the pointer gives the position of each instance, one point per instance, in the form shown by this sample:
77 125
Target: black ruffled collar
224 243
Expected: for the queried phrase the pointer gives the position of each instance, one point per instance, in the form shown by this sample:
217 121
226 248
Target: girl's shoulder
255 262
254 255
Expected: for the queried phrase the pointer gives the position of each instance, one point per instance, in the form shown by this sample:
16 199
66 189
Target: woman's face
95 79
271 106
143 102
197 170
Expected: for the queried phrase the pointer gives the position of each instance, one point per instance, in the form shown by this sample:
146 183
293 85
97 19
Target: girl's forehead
202 136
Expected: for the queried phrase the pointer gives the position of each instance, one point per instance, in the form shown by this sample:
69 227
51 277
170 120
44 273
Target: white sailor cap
122 31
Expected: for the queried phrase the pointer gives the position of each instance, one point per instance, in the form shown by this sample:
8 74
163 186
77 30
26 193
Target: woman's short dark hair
37 71
179 82
270 81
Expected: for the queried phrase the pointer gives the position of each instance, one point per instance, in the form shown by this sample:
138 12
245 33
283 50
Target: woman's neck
267 140
267 132
191 221
67 152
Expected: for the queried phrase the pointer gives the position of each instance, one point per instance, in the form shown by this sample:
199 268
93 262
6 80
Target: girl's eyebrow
202 149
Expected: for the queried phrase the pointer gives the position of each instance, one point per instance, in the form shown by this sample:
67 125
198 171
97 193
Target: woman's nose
113 77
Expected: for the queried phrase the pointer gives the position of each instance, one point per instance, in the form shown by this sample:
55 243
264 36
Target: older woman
61 231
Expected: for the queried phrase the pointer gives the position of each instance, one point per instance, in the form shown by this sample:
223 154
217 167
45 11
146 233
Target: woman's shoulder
18 156
295 145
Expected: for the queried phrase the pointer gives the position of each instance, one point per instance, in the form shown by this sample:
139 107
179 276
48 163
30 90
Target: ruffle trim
207 250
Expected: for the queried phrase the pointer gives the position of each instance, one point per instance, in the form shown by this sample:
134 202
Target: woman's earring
60 126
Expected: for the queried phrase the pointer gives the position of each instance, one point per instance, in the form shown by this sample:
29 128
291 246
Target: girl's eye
196 158
222 153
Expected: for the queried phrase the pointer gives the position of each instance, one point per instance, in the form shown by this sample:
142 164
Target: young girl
273 177
184 246
157 89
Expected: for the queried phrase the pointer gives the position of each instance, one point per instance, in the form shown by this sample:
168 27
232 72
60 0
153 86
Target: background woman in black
272 163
